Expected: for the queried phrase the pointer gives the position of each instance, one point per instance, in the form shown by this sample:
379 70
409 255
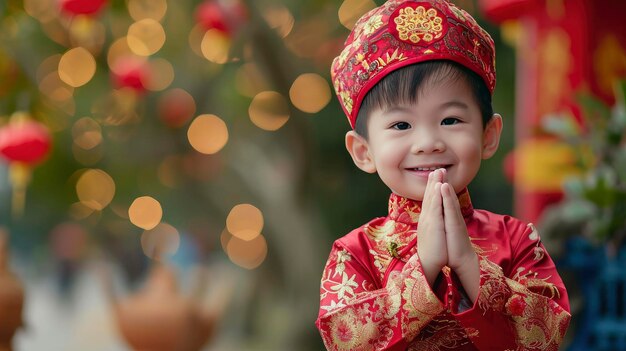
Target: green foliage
595 201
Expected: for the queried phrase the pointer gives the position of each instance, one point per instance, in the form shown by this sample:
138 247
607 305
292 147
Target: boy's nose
427 142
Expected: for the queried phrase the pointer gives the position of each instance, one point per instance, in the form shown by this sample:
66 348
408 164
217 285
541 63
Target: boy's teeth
427 169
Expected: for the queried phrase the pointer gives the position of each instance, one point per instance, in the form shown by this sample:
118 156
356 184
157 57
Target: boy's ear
491 136
358 148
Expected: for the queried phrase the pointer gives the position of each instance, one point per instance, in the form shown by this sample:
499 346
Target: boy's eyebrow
454 103
396 108
406 109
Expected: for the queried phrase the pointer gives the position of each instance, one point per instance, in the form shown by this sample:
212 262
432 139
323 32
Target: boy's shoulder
508 221
358 241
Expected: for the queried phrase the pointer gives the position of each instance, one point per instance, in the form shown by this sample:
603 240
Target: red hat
404 32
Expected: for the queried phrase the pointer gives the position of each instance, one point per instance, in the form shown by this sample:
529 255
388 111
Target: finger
452 210
437 200
428 193
444 175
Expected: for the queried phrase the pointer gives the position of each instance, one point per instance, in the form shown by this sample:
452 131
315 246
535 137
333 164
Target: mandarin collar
405 210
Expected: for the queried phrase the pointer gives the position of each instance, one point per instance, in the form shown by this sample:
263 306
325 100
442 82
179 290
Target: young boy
415 80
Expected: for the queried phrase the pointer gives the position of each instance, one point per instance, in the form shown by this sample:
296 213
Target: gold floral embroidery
441 334
343 256
350 332
420 305
494 292
347 100
373 24
382 232
418 24
539 321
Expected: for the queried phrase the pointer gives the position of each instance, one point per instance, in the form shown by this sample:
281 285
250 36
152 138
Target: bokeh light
215 46
76 67
142 9
161 74
145 212
310 93
78 211
195 39
118 50
95 189
87 133
176 107
280 19
85 31
351 10
42 10
145 37
247 254
245 221
55 89
87 157
307 37
160 242
269 110
208 134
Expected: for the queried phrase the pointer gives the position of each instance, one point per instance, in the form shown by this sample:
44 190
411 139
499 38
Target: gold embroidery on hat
393 57
347 100
373 24
417 24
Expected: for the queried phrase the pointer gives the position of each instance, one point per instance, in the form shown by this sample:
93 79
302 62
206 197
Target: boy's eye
401 126
450 121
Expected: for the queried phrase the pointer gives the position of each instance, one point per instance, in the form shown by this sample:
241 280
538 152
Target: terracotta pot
11 298
159 318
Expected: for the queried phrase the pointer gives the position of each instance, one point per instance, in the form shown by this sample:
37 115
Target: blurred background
167 161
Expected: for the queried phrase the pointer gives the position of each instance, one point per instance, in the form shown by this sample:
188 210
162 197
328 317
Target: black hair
402 85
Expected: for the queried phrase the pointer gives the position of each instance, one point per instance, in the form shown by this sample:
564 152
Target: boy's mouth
428 169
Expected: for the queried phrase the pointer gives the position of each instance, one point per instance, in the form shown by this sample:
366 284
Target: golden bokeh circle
215 46
87 133
142 9
207 134
245 221
145 37
351 10
145 212
247 254
95 189
310 93
269 110
76 67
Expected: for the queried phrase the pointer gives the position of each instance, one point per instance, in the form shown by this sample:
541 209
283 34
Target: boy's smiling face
442 129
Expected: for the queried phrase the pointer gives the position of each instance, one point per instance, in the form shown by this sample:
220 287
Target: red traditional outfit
374 295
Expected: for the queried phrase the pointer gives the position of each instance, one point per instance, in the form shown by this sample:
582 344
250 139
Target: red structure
564 47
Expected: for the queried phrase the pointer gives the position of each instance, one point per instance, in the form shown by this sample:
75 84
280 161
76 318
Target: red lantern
24 143
227 16
81 7
130 72
24 140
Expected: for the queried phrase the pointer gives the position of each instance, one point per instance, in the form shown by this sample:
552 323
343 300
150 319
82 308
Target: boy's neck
407 210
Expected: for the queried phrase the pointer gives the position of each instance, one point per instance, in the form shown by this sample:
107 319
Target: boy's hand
431 236
459 246
462 258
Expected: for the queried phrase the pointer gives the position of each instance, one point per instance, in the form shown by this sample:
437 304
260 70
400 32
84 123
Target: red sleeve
356 315
528 310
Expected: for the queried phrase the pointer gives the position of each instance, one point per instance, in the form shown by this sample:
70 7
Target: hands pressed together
442 235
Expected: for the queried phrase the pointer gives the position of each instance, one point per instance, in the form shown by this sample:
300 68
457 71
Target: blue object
602 279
